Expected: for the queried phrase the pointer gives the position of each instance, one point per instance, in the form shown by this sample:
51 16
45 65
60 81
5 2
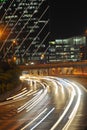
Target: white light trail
46 50
34 119
36 101
31 29
29 102
41 43
16 95
61 86
25 94
35 37
13 28
1 6
11 17
23 27
65 111
54 82
35 93
43 119
6 10
72 115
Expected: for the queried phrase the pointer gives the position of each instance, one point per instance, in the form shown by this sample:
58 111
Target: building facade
26 24
70 49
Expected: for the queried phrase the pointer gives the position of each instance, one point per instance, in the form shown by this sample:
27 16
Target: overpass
58 68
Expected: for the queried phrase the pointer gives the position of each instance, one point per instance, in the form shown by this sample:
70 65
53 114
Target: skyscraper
25 24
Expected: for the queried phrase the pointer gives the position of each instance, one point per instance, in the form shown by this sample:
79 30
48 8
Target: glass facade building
69 49
25 24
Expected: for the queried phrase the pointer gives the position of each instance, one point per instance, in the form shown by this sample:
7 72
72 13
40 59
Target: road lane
80 120
49 107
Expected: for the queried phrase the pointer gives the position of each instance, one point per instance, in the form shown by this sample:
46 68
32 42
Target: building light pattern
27 22
69 49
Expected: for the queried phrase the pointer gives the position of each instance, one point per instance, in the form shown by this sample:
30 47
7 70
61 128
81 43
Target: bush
9 77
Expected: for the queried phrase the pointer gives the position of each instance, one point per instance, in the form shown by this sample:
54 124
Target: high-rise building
25 24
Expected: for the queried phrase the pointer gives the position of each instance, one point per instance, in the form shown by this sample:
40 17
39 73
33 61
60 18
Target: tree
9 76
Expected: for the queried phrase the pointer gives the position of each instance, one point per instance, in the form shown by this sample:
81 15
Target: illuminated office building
69 49
27 25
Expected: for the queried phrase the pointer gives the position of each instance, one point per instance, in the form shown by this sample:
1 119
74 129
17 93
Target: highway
49 103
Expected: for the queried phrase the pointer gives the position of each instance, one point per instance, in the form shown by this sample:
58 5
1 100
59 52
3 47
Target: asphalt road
80 120
41 108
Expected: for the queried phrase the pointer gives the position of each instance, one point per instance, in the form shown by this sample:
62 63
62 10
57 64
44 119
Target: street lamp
13 49
42 56
14 58
14 42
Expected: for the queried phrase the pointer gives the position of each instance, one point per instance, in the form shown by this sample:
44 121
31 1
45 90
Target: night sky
67 20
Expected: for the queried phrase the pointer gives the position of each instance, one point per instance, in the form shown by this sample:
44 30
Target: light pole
14 42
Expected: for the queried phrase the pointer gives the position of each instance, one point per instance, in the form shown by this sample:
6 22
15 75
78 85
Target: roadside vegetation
9 76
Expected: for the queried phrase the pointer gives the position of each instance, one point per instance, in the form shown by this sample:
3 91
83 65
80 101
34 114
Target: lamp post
14 43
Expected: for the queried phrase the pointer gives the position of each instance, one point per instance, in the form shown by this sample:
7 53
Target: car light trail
24 24
35 93
34 119
16 95
29 102
30 32
61 87
56 86
65 111
74 90
6 10
43 101
13 29
53 81
42 119
72 115
35 38
37 101
33 99
25 94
